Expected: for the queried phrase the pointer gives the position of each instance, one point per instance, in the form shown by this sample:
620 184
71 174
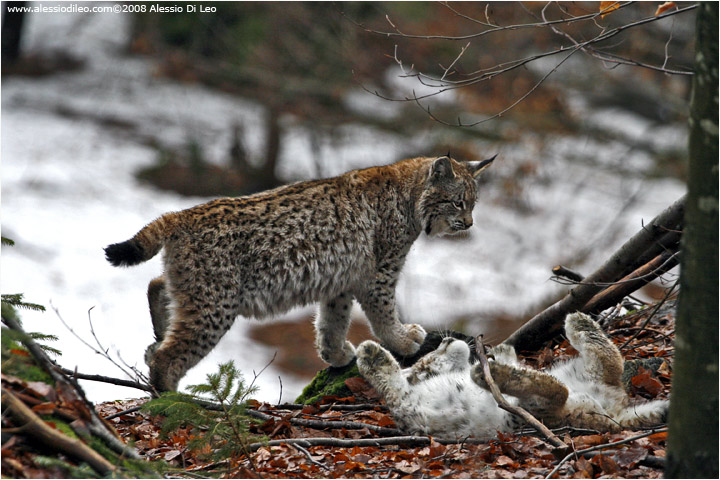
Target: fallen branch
600 447
332 406
331 424
112 380
514 409
548 323
123 412
34 426
410 440
73 394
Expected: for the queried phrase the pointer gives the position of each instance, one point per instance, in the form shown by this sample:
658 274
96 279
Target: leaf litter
511 455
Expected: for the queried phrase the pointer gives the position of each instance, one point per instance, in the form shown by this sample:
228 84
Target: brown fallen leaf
607 7
169 455
46 408
645 381
630 457
664 7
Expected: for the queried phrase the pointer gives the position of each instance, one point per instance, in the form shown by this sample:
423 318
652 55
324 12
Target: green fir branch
226 432
15 300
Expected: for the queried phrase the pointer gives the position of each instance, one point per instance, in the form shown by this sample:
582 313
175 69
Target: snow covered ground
68 190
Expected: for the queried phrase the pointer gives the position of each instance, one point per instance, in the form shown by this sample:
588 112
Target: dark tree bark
12 26
693 435
265 176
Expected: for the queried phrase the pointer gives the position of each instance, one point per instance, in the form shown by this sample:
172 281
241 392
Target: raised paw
371 357
338 358
504 354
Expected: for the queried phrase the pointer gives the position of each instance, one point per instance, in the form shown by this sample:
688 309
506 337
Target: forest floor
355 437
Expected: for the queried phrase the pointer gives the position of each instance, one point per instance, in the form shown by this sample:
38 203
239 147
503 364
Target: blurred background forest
111 119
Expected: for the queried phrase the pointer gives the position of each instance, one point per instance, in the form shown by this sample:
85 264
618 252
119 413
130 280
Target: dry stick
640 277
112 380
548 323
332 406
38 429
123 412
514 409
599 447
65 386
412 440
326 424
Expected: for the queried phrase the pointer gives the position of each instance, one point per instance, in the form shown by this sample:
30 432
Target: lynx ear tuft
441 169
477 167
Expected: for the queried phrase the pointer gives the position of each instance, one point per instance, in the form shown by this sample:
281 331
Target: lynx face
449 198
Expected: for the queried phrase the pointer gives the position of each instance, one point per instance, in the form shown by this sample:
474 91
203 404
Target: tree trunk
693 435
12 26
265 176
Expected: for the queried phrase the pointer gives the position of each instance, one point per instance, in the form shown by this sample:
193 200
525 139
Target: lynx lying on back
326 241
443 395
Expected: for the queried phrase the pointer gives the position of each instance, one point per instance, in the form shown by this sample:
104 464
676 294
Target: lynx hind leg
331 327
603 361
537 391
644 414
190 337
159 302
380 368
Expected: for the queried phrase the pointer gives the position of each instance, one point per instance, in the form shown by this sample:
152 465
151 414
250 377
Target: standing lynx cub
325 241
445 396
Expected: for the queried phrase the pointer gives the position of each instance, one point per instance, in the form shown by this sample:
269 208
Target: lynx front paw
371 357
408 342
338 358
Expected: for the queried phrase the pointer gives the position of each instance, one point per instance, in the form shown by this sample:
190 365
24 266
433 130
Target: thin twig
123 412
326 424
649 317
398 33
600 447
362 442
505 405
333 406
302 449
111 380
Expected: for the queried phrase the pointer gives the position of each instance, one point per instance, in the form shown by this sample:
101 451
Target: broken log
636 280
548 323
34 426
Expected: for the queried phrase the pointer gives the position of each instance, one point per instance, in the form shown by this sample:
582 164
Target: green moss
61 425
330 381
69 470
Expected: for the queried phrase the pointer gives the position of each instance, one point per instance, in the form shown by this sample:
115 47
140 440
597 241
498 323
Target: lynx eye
459 204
